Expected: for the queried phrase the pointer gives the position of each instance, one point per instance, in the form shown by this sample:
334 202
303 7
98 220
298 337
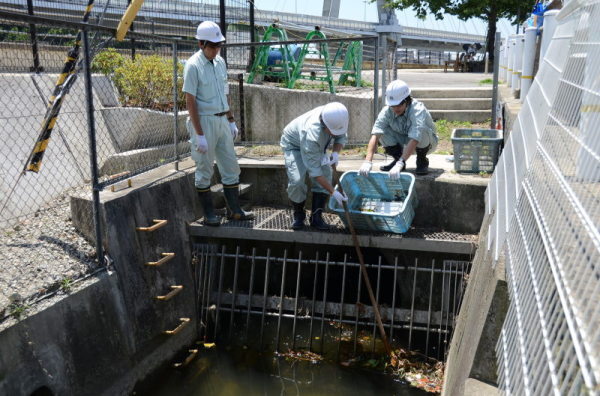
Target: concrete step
462 115
442 92
457 103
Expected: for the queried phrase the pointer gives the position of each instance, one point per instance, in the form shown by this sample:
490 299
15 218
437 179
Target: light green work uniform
416 123
207 81
304 143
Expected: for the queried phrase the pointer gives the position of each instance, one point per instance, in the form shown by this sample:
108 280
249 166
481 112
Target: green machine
352 62
287 62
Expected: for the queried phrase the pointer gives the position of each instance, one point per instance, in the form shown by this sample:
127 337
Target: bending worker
403 127
211 124
305 141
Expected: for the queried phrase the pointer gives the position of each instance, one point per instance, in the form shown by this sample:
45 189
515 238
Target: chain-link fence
138 123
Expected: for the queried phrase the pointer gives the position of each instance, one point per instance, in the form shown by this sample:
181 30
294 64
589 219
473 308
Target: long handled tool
363 269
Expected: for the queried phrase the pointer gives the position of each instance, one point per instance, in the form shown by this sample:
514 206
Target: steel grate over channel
280 218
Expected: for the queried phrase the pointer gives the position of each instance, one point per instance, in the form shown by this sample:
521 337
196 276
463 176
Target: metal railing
543 198
278 302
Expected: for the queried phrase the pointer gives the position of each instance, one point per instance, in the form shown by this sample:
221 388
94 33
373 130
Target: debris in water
306 356
418 370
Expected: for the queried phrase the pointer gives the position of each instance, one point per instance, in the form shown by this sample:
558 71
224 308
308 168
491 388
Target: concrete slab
474 387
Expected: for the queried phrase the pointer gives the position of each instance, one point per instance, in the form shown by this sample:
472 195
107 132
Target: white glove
339 197
233 129
334 158
201 144
395 171
365 168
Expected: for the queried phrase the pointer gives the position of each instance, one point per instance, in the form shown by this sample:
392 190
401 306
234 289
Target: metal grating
280 218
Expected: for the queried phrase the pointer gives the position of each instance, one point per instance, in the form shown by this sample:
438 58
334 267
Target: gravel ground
41 255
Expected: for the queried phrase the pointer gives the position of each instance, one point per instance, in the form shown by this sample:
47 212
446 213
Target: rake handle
363 269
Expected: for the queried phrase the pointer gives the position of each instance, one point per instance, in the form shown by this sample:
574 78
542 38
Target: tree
487 10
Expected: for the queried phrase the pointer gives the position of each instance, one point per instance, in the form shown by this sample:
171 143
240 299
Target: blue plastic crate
378 203
476 150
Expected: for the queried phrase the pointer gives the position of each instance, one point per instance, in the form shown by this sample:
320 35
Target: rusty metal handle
184 322
174 291
156 226
166 257
191 356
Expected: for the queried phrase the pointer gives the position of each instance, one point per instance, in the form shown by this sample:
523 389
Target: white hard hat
208 30
396 92
335 117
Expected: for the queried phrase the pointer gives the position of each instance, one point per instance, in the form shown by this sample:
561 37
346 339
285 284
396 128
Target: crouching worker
305 142
211 124
403 127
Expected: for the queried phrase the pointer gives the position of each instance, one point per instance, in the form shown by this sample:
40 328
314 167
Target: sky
364 10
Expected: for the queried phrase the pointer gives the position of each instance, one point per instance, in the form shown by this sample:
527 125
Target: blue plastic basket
378 203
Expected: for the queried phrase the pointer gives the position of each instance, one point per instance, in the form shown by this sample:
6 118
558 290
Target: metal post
175 106
92 145
252 34
34 45
242 107
131 29
495 84
223 27
384 66
376 81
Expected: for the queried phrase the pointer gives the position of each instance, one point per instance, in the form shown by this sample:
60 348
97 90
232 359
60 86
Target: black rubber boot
234 210
422 161
395 152
299 215
316 216
210 218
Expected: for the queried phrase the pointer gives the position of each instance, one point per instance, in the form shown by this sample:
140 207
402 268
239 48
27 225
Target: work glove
365 168
395 171
201 144
233 129
334 158
339 197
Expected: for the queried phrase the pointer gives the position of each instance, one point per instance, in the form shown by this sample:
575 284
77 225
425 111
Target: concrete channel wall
106 337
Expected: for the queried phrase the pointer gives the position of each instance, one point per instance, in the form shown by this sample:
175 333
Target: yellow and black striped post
65 80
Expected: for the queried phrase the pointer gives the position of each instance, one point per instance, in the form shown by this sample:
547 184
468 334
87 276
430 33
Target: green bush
107 61
146 82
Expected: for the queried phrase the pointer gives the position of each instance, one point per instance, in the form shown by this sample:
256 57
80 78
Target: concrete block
105 90
270 109
462 115
133 160
134 128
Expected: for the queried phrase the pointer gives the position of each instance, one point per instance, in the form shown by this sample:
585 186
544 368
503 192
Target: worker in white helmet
211 124
403 127
305 142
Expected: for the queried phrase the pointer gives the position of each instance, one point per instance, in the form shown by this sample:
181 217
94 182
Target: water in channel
220 372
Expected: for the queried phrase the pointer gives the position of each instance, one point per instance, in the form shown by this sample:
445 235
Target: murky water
220 372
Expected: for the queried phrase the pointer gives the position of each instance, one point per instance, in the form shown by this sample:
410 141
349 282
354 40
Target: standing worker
305 141
211 124
403 126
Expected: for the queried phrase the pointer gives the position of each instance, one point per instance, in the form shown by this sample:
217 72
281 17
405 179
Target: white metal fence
544 198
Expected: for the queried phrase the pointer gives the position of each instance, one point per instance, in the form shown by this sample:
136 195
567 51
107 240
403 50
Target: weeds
66 285
17 310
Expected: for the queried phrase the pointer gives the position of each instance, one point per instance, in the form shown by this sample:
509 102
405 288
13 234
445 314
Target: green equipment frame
290 70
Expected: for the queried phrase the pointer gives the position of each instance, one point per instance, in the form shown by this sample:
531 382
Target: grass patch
486 81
